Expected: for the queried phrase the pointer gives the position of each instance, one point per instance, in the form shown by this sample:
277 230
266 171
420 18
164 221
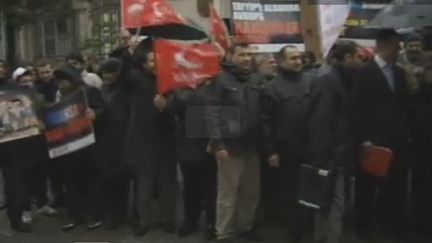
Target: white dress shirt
387 70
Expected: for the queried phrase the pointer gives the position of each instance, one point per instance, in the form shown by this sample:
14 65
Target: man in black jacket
422 150
3 76
13 162
232 116
48 86
198 167
110 136
124 41
80 170
150 144
285 106
380 97
330 133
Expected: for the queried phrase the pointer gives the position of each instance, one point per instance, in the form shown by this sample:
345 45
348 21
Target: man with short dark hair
232 116
309 61
380 99
414 52
421 168
330 132
150 143
48 86
413 59
110 137
77 60
285 106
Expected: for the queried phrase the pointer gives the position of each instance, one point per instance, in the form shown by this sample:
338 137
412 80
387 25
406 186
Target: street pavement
47 230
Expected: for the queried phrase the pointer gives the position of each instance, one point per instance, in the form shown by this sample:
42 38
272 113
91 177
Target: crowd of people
239 140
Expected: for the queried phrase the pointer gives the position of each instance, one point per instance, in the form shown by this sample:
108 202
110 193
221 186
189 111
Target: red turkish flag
184 66
143 13
219 30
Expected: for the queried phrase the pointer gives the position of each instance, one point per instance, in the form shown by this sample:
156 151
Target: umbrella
414 14
190 31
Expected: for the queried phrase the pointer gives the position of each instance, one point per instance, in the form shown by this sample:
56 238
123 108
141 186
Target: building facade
91 26
2 37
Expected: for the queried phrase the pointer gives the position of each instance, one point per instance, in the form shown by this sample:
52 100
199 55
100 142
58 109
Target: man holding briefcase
330 136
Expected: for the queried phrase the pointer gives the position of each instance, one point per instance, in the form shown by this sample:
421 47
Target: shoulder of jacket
372 65
224 75
274 81
222 78
325 81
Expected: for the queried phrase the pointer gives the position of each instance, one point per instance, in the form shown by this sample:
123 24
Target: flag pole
310 25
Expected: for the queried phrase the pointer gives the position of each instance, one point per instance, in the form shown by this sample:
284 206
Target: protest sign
67 127
266 21
18 118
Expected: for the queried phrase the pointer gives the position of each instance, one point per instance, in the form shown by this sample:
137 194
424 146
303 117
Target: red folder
376 160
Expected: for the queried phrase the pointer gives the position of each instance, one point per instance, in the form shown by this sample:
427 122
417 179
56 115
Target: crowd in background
238 139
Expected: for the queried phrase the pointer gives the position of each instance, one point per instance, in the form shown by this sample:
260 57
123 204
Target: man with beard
422 151
232 116
414 56
77 60
417 66
150 143
48 86
413 59
331 139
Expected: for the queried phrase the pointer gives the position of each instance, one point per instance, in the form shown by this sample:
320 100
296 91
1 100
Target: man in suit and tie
380 97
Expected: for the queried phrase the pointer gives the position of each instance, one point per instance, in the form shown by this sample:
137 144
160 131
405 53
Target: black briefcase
316 187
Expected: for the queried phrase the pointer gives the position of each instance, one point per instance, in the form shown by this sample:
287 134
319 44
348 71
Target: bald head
124 37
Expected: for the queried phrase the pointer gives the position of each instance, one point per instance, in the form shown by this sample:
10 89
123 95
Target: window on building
106 26
56 37
2 37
